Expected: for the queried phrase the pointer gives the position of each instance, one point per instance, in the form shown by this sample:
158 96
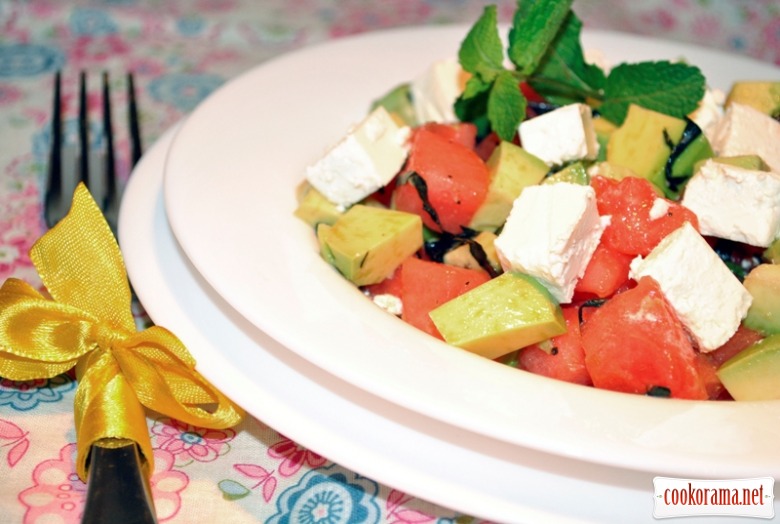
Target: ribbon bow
89 325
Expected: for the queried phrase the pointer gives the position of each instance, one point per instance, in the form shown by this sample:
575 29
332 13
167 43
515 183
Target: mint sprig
534 27
545 51
481 52
666 87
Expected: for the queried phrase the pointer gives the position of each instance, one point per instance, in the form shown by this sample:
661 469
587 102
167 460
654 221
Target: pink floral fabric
181 51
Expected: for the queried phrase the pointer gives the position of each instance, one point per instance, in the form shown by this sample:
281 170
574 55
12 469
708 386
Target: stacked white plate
215 254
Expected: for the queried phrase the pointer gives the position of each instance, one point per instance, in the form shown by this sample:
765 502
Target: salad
614 227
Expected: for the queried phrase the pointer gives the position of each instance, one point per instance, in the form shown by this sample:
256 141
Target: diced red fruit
743 338
427 285
606 272
567 360
631 230
530 93
708 372
464 133
456 178
384 195
487 145
635 342
392 285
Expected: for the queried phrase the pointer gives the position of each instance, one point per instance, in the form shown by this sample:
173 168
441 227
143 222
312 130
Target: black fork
118 488
67 170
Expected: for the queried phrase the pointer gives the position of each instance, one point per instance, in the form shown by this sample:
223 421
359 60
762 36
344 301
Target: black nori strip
659 391
436 249
422 190
478 252
594 302
540 108
690 133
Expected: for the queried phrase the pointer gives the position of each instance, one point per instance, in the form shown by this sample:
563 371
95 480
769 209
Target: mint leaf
506 106
534 26
471 105
564 77
674 89
481 52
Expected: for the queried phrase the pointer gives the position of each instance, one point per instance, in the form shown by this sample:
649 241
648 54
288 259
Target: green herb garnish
545 51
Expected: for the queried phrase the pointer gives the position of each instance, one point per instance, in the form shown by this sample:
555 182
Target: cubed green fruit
461 256
752 374
682 165
763 284
511 169
614 171
752 162
772 253
644 142
367 243
313 208
763 96
604 129
573 174
398 102
506 313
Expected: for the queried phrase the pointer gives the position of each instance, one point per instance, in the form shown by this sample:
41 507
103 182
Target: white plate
229 194
392 445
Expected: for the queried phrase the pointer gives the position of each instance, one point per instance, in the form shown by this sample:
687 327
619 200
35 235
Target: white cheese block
709 300
390 303
551 234
709 111
735 203
366 159
435 91
744 130
562 135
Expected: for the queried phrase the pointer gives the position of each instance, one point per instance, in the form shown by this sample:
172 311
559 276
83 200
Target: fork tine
54 182
83 129
136 147
110 165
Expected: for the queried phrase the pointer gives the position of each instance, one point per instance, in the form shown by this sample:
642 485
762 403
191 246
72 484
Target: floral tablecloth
181 50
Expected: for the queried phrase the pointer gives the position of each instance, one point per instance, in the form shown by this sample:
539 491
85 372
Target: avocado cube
461 256
683 164
367 243
644 142
506 313
574 173
313 208
752 373
763 284
772 253
398 102
763 96
613 171
751 162
604 129
511 169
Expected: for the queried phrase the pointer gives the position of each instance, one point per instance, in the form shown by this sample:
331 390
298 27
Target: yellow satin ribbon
89 324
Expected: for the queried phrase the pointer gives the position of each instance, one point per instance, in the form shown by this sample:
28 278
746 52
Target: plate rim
607 451
146 240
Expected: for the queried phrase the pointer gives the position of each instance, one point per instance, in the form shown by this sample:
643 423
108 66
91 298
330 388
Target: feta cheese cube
367 158
551 234
562 135
659 208
709 300
735 203
709 111
390 303
435 91
744 130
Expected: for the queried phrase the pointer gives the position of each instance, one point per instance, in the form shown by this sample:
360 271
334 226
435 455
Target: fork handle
117 488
